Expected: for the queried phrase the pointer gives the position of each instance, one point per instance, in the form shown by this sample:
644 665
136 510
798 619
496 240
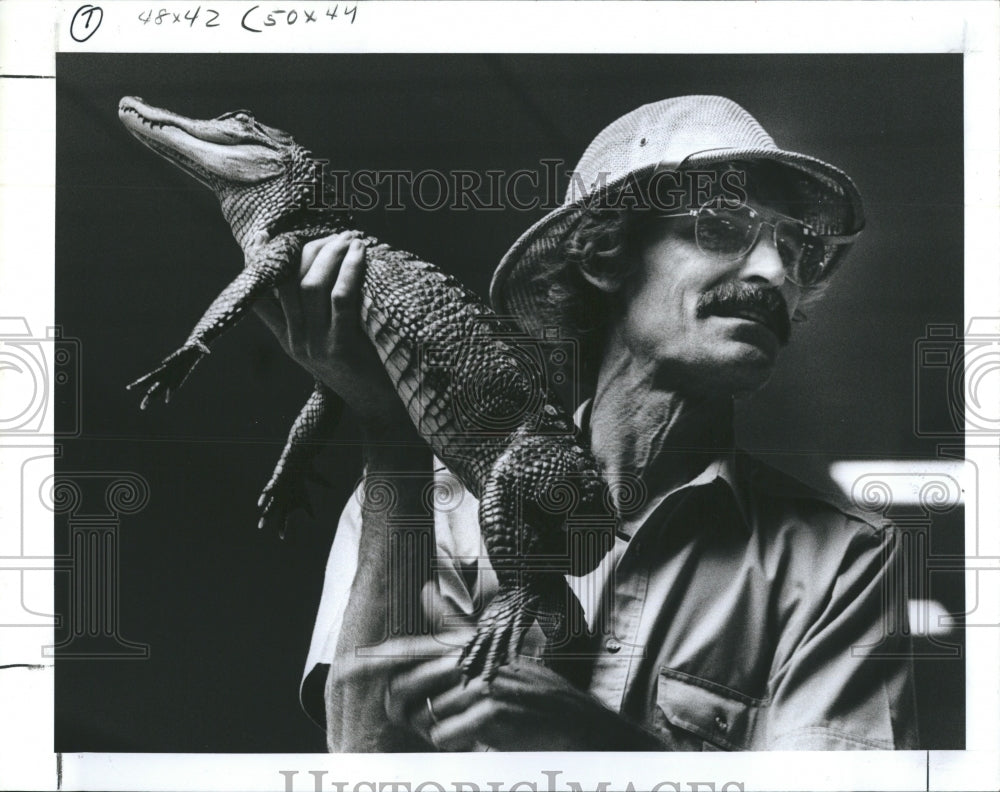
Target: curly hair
599 243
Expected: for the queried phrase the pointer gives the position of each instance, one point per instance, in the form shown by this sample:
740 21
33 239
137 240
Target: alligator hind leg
501 631
286 491
512 539
265 267
525 530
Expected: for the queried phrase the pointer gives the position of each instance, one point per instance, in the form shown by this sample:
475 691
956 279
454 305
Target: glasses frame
830 242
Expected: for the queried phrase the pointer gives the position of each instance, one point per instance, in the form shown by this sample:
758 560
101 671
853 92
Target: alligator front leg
266 266
286 491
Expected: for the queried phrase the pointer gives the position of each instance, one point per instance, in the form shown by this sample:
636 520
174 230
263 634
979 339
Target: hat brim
511 292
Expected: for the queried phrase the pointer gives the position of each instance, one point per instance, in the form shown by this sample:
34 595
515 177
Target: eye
243 116
721 231
803 253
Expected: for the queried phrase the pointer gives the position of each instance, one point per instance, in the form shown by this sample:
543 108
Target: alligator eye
243 116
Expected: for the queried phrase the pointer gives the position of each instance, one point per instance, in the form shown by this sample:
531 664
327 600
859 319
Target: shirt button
721 723
613 646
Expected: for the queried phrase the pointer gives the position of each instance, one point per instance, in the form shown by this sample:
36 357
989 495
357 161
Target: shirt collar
729 468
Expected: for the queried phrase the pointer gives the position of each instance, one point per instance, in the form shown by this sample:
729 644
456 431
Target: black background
142 249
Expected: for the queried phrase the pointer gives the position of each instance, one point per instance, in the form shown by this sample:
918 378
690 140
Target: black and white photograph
537 404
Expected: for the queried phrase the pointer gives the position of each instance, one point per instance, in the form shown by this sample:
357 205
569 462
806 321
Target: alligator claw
499 635
170 374
280 498
272 512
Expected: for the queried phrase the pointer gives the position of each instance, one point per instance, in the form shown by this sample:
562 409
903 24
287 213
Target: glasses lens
726 232
805 256
732 233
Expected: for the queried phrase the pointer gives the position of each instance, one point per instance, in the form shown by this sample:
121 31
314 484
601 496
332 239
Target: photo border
33 31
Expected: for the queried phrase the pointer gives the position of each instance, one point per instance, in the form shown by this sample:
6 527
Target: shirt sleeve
463 577
341 566
848 682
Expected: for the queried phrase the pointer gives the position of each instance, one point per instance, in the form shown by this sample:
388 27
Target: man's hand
315 317
527 707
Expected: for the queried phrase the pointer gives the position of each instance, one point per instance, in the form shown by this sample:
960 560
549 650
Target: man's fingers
311 249
477 712
319 280
478 723
408 692
451 702
346 293
415 700
309 252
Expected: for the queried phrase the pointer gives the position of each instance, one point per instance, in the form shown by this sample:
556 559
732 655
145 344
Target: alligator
515 449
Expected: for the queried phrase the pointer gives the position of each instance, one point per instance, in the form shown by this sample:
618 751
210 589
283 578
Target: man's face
704 323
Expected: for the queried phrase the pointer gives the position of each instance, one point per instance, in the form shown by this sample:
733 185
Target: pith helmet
681 133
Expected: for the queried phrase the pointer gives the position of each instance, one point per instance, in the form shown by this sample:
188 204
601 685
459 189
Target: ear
605 279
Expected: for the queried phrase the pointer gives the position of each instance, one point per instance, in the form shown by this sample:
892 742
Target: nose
763 262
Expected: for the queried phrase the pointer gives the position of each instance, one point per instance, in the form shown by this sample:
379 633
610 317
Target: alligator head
260 174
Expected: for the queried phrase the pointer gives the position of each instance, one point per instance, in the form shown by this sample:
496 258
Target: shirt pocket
720 717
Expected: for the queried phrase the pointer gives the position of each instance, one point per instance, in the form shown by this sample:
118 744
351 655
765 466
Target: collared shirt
743 612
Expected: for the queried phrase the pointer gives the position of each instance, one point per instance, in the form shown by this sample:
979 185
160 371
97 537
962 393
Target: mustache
734 298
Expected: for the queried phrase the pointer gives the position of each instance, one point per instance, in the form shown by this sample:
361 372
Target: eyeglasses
730 233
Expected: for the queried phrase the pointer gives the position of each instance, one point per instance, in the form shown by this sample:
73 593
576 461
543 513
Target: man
738 609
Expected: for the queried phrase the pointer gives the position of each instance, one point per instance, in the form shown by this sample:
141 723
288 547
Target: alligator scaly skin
471 395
